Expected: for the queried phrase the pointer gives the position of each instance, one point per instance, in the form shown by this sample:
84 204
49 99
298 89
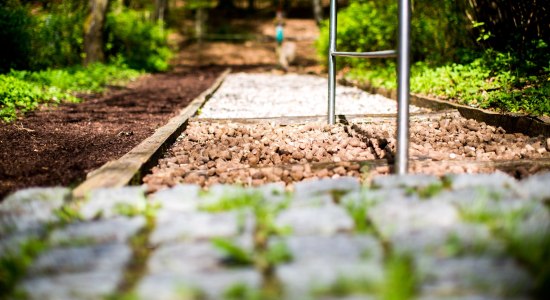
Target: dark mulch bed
60 145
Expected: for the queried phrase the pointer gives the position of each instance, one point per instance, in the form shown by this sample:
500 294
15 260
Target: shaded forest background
506 41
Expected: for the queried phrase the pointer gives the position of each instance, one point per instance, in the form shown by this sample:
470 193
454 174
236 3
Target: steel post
332 64
403 89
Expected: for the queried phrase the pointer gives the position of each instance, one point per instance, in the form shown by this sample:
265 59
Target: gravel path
331 233
268 95
211 152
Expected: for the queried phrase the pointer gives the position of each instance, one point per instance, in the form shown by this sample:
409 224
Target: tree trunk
226 4
93 32
251 5
200 23
161 7
317 11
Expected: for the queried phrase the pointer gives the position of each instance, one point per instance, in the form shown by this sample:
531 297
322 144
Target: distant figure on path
285 50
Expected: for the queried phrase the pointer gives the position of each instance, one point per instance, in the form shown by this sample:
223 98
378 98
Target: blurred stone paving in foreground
397 237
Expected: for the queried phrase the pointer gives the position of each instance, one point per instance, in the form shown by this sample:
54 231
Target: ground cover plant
458 55
22 91
45 46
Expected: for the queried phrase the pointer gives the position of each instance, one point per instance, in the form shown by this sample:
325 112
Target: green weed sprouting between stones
13 265
532 248
346 286
267 252
400 281
148 209
67 214
23 91
428 191
357 207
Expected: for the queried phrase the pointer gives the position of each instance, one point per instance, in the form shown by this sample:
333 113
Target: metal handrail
403 77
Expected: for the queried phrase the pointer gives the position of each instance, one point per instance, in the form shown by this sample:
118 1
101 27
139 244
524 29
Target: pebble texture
464 240
209 153
245 95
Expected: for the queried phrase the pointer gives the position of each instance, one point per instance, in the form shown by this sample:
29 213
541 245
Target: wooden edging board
124 170
532 126
362 118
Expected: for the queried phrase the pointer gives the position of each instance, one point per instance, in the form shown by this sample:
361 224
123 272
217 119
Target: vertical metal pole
332 63
403 89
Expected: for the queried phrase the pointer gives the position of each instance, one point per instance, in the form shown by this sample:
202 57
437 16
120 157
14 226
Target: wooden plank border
529 125
130 167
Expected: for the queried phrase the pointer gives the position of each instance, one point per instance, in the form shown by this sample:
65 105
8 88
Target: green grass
23 91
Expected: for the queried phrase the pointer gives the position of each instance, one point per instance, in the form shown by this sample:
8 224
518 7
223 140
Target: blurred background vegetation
483 53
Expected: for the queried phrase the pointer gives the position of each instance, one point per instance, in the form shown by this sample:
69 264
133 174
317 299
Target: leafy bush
488 81
362 26
15 24
141 42
367 25
58 35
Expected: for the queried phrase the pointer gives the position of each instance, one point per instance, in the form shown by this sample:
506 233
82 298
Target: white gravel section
260 95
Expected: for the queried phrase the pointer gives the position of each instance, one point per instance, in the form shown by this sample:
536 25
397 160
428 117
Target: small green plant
148 209
428 191
13 265
266 253
234 254
241 291
347 286
400 281
67 214
357 210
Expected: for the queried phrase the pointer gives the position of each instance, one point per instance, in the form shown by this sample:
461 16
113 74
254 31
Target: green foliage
15 25
400 281
488 80
513 79
148 209
22 91
514 225
13 265
241 291
366 25
234 254
428 191
358 212
57 34
362 26
230 201
141 42
67 214
19 96
347 286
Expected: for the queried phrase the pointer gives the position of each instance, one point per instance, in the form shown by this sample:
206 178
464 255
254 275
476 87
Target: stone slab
116 230
106 203
30 209
178 226
322 220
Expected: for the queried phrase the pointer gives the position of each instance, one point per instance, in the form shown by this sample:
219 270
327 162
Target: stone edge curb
130 166
532 126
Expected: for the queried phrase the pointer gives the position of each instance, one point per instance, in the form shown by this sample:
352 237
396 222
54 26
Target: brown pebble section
212 152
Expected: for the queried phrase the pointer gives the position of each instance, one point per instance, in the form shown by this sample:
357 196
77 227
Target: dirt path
60 145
